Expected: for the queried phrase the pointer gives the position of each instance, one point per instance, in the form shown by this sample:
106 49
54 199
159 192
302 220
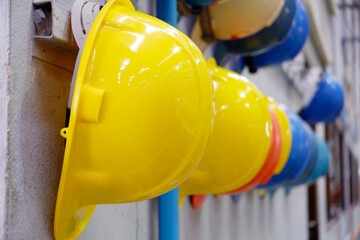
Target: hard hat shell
239 19
285 134
291 46
240 140
299 153
327 102
271 161
268 37
322 163
275 149
141 115
197 201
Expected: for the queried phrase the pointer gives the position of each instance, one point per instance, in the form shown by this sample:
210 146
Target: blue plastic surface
327 102
312 160
322 164
293 43
299 154
264 39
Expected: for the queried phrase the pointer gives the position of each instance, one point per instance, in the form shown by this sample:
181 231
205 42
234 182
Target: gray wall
4 79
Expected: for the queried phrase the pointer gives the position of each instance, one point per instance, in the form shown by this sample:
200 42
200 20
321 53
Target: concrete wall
4 80
38 97
33 99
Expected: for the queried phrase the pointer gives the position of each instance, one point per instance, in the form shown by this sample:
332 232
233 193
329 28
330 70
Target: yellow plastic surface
240 140
141 115
242 18
285 134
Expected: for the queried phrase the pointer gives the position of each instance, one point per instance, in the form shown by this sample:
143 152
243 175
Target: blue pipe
169 215
166 10
169 202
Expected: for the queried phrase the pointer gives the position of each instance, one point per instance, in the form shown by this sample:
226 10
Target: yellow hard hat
141 115
285 134
241 18
240 140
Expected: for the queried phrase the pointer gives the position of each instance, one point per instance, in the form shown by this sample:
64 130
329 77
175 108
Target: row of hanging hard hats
272 34
141 117
328 100
308 159
266 48
291 158
245 145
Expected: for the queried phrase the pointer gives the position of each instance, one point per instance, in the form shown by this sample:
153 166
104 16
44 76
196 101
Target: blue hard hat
327 102
322 164
312 160
267 37
200 2
292 45
299 156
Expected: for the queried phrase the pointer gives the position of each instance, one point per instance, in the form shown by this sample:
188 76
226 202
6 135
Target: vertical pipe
169 202
169 215
166 10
